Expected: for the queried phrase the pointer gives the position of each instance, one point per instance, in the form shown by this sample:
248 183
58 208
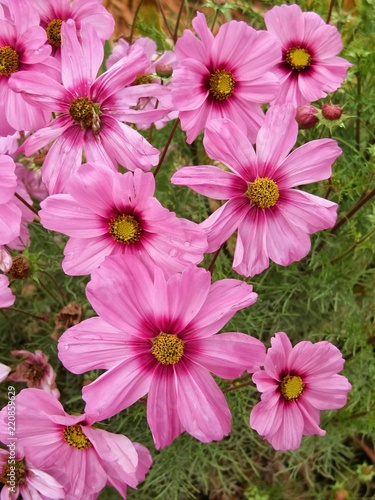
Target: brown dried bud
20 268
163 70
306 116
331 111
70 315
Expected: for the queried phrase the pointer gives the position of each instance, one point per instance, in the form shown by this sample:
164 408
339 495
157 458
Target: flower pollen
74 436
54 32
168 348
125 228
17 474
9 61
292 387
84 112
142 79
221 84
263 192
298 58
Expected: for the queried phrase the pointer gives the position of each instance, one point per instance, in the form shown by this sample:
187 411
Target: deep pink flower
296 384
106 212
22 48
6 296
53 13
273 220
36 371
158 336
30 483
309 66
81 457
91 112
227 76
4 370
10 213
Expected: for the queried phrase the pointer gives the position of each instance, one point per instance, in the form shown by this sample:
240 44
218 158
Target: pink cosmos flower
91 113
53 14
30 483
296 384
81 457
4 370
107 212
159 337
6 296
10 213
309 66
273 220
36 371
226 76
22 48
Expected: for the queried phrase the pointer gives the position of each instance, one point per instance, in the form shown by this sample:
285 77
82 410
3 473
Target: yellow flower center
74 436
85 113
168 349
292 387
17 473
221 84
54 32
263 192
125 228
143 78
298 58
9 61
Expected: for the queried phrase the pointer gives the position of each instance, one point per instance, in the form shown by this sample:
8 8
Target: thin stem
214 20
369 452
169 140
331 5
214 258
41 318
353 211
164 18
239 386
46 289
134 19
358 119
55 283
37 218
175 34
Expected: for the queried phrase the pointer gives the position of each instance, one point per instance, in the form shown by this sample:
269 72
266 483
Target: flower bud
331 111
163 70
306 116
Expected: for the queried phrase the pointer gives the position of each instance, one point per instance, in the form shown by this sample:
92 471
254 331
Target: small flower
36 371
6 296
159 336
106 213
309 66
80 456
273 219
229 74
296 384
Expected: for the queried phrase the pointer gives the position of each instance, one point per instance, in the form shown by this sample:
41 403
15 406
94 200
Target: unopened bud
20 268
306 116
331 111
163 70
341 494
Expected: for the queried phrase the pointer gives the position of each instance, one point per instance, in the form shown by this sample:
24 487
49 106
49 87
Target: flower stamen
74 436
143 79
292 387
298 58
9 61
263 192
85 113
125 228
221 84
168 348
54 32
18 473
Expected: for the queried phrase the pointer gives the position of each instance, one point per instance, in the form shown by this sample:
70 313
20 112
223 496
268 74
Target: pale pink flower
91 111
158 336
106 213
32 180
227 76
36 371
273 219
9 145
6 296
6 260
22 48
30 483
309 66
296 384
4 370
80 456
10 213
53 13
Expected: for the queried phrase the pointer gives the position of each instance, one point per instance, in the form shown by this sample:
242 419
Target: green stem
169 140
55 283
331 5
214 20
164 18
214 258
134 19
353 211
239 386
46 289
175 34
37 218
41 318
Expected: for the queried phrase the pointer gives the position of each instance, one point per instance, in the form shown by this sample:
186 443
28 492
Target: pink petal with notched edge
311 417
289 435
278 355
210 181
43 483
162 412
227 355
328 393
286 22
83 255
316 360
266 416
202 407
93 344
42 137
119 387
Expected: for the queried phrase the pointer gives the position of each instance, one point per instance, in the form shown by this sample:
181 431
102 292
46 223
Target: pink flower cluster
157 332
